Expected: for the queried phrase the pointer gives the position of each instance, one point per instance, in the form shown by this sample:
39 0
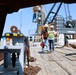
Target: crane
51 11
39 15
61 25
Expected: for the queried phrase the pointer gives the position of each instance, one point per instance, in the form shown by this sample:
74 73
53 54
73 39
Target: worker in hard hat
51 35
44 36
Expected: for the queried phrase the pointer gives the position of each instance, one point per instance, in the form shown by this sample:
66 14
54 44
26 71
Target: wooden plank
45 68
55 69
70 69
34 53
64 51
69 54
55 63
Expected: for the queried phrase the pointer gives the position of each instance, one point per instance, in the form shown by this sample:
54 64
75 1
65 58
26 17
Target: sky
22 19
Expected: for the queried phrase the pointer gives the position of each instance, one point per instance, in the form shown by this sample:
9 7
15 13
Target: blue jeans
51 44
46 44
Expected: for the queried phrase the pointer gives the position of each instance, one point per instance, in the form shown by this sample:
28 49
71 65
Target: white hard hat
46 25
51 26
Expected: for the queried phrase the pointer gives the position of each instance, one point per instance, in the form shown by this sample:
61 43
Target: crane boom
51 12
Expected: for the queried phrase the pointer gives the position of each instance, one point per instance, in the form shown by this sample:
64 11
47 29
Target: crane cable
20 20
69 12
65 11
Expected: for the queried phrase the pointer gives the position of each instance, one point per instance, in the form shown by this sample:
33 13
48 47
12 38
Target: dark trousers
51 44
